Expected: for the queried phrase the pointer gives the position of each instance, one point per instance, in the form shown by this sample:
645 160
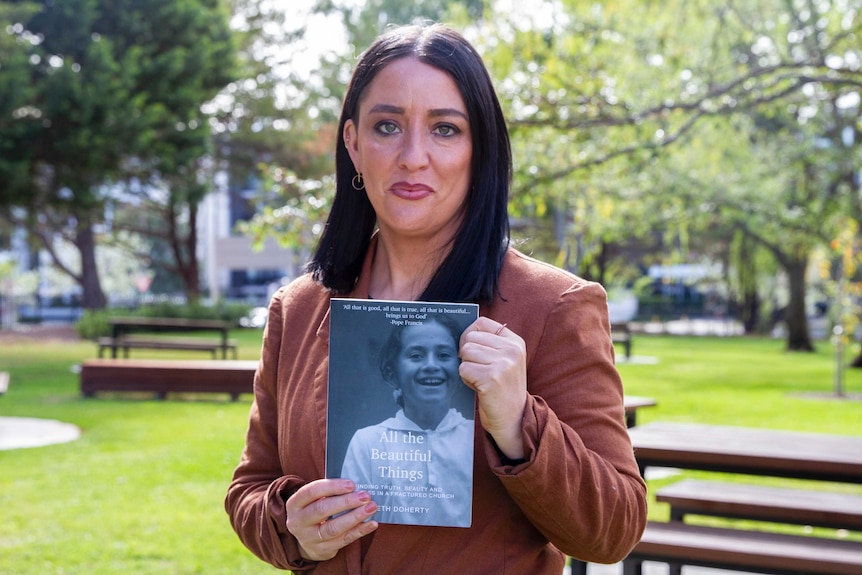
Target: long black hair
471 270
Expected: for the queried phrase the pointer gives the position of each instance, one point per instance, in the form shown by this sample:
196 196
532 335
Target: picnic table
760 452
124 328
632 404
729 449
622 333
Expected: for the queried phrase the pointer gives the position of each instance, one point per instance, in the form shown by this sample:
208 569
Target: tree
363 23
163 211
116 89
601 96
845 282
270 113
274 123
612 104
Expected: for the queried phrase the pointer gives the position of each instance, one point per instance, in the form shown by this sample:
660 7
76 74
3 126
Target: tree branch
48 244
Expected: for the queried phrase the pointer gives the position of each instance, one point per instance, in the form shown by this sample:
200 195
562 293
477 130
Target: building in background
233 269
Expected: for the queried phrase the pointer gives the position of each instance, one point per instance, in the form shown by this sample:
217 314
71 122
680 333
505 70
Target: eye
387 127
447 130
446 354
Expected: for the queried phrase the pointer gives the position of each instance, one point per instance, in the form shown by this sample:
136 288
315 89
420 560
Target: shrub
94 323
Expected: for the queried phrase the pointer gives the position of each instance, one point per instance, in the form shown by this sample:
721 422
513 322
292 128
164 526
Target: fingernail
348 485
364 497
371 507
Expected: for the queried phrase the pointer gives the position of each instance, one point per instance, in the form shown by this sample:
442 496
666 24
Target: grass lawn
141 492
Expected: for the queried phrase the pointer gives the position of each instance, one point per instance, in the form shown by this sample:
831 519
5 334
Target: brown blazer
579 493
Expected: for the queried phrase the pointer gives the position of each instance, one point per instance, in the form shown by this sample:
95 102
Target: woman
423 155
420 363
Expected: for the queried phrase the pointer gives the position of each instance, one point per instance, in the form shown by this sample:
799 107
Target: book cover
400 422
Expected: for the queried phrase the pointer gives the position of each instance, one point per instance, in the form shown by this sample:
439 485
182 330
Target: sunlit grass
744 381
142 490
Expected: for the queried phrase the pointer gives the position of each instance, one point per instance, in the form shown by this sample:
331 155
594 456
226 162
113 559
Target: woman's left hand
494 365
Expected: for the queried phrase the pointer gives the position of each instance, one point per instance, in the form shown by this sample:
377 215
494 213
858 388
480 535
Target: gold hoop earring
356 182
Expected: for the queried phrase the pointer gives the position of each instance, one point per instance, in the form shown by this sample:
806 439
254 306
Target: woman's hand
494 365
310 511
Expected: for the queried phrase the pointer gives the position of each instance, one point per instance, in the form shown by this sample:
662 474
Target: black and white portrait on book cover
400 422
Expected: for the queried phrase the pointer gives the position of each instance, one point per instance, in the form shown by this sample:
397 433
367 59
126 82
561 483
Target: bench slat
165 376
177 343
680 543
765 503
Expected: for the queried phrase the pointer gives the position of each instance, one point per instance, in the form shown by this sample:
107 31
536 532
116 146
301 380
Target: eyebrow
434 113
423 346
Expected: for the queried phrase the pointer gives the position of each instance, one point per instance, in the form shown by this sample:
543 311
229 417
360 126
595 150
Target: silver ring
318 531
502 327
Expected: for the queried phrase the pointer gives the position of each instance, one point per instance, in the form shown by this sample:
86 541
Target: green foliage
366 21
690 119
273 113
291 209
637 73
93 324
644 132
113 90
223 310
843 281
648 132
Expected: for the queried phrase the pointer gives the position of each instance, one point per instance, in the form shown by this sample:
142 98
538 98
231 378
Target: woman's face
426 369
412 144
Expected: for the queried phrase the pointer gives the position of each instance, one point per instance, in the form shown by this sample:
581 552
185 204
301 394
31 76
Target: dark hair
393 346
470 272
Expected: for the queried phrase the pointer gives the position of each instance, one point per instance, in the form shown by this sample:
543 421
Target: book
400 421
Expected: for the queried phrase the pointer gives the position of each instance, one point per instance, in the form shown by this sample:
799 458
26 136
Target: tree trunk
601 262
746 276
191 271
88 278
184 247
750 310
93 296
798 337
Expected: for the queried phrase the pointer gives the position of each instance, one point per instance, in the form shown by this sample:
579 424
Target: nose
414 151
431 363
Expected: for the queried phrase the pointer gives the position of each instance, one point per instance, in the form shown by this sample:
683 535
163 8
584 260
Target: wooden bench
173 343
680 544
750 451
161 377
762 503
4 382
124 327
622 333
